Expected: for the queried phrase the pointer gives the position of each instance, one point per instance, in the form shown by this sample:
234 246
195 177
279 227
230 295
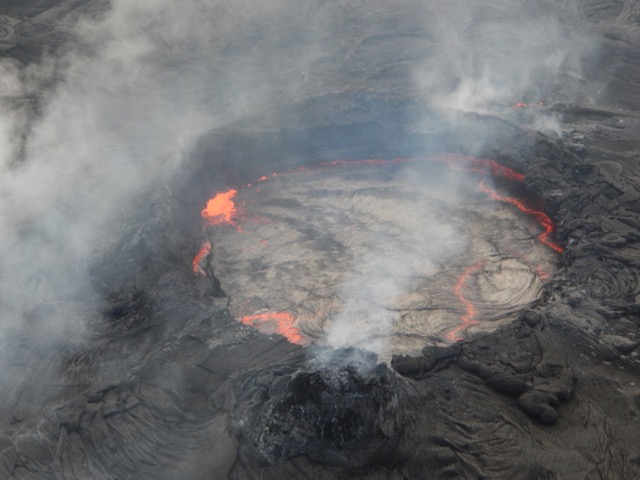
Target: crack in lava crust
349 255
469 318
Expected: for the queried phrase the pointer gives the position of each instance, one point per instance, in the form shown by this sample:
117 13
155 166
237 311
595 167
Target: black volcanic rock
323 412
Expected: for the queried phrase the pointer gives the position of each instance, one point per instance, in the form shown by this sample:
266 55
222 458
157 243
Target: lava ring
386 255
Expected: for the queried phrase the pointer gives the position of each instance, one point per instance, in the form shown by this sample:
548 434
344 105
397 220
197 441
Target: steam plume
484 58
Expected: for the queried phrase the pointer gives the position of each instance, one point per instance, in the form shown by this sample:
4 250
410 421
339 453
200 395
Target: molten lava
483 166
220 208
468 319
526 105
205 249
281 323
541 217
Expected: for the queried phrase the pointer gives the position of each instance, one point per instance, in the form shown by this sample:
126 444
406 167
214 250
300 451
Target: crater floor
383 257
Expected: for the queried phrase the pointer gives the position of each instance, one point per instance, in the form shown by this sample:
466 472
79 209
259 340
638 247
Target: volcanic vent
387 255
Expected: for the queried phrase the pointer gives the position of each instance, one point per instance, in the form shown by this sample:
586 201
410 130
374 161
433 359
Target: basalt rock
326 413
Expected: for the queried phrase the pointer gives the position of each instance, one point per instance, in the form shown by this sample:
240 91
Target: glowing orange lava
203 252
541 217
220 208
469 317
542 273
484 166
525 105
281 323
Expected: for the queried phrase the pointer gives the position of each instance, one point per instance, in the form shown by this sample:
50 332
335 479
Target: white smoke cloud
91 127
403 245
485 57
88 130
492 55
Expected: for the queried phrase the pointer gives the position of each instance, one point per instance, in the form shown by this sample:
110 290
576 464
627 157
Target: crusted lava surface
385 255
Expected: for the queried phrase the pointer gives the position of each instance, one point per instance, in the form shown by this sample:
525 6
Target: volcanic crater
387 255
121 119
